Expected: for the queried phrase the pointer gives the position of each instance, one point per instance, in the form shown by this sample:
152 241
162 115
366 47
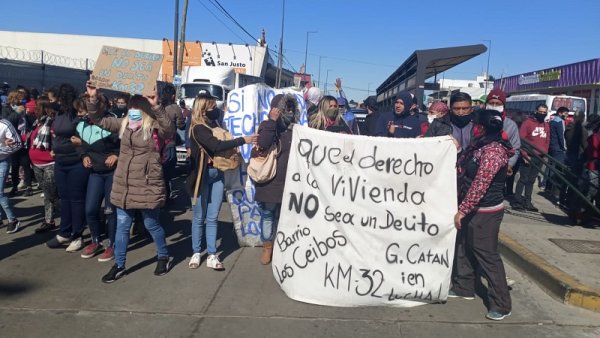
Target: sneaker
75 245
42 195
45 227
495 315
91 250
58 241
28 192
194 261
531 208
517 206
107 255
452 294
162 266
214 263
510 282
13 226
21 185
114 274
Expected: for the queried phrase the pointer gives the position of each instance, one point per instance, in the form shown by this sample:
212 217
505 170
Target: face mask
460 121
134 115
18 109
499 109
540 117
286 119
213 114
332 113
430 118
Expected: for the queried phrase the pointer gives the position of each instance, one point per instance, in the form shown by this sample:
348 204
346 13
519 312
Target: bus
528 102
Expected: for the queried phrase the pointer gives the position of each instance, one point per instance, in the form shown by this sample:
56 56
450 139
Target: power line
228 15
221 21
343 59
218 5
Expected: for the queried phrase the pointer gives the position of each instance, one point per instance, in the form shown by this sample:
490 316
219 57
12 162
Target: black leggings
21 159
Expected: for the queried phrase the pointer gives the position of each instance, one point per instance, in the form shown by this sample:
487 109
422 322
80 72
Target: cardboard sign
126 70
247 107
366 221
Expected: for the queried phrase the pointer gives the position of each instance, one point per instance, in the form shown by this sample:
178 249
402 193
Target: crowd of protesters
105 163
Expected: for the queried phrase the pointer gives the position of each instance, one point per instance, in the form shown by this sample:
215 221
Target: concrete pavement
528 241
46 292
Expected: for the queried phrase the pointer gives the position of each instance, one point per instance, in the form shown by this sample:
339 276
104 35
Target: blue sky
360 42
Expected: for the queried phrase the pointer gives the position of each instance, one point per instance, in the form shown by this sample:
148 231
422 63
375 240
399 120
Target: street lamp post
306 51
319 82
326 78
280 58
487 72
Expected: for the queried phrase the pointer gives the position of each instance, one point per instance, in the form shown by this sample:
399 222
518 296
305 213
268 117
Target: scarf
43 137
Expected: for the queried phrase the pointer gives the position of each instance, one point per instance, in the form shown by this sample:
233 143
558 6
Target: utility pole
182 43
487 72
319 82
306 51
175 29
280 58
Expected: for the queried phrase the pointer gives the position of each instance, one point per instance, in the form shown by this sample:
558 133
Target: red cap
497 94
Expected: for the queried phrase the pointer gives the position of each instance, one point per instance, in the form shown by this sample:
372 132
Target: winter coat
557 136
440 127
98 144
138 181
63 128
270 132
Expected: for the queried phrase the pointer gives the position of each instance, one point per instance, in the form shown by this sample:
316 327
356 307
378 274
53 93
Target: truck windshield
190 90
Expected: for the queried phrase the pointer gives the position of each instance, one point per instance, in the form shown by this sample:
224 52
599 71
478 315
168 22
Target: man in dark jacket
557 148
456 124
400 123
372 117
167 100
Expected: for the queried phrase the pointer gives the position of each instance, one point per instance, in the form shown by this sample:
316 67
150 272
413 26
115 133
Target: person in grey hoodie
496 100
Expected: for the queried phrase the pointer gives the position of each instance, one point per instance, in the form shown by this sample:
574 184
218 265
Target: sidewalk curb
554 281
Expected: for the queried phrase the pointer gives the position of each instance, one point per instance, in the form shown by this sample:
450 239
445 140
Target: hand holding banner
366 221
126 70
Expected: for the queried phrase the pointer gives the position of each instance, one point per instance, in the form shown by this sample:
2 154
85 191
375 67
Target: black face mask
539 117
213 114
460 121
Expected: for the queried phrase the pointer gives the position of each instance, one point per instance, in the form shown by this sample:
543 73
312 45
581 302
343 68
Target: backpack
225 160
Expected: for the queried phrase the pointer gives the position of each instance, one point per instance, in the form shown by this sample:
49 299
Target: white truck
216 80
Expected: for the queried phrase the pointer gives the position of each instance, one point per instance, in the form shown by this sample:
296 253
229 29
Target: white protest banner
247 107
366 221
126 70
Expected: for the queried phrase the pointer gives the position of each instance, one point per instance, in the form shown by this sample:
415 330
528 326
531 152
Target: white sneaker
21 184
194 261
510 282
214 263
75 245
42 195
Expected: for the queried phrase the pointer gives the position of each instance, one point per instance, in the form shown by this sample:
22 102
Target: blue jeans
207 207
152 224
269 220
98 189
71 181
4 165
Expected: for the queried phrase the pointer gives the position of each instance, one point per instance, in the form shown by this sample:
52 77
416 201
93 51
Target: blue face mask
134 114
